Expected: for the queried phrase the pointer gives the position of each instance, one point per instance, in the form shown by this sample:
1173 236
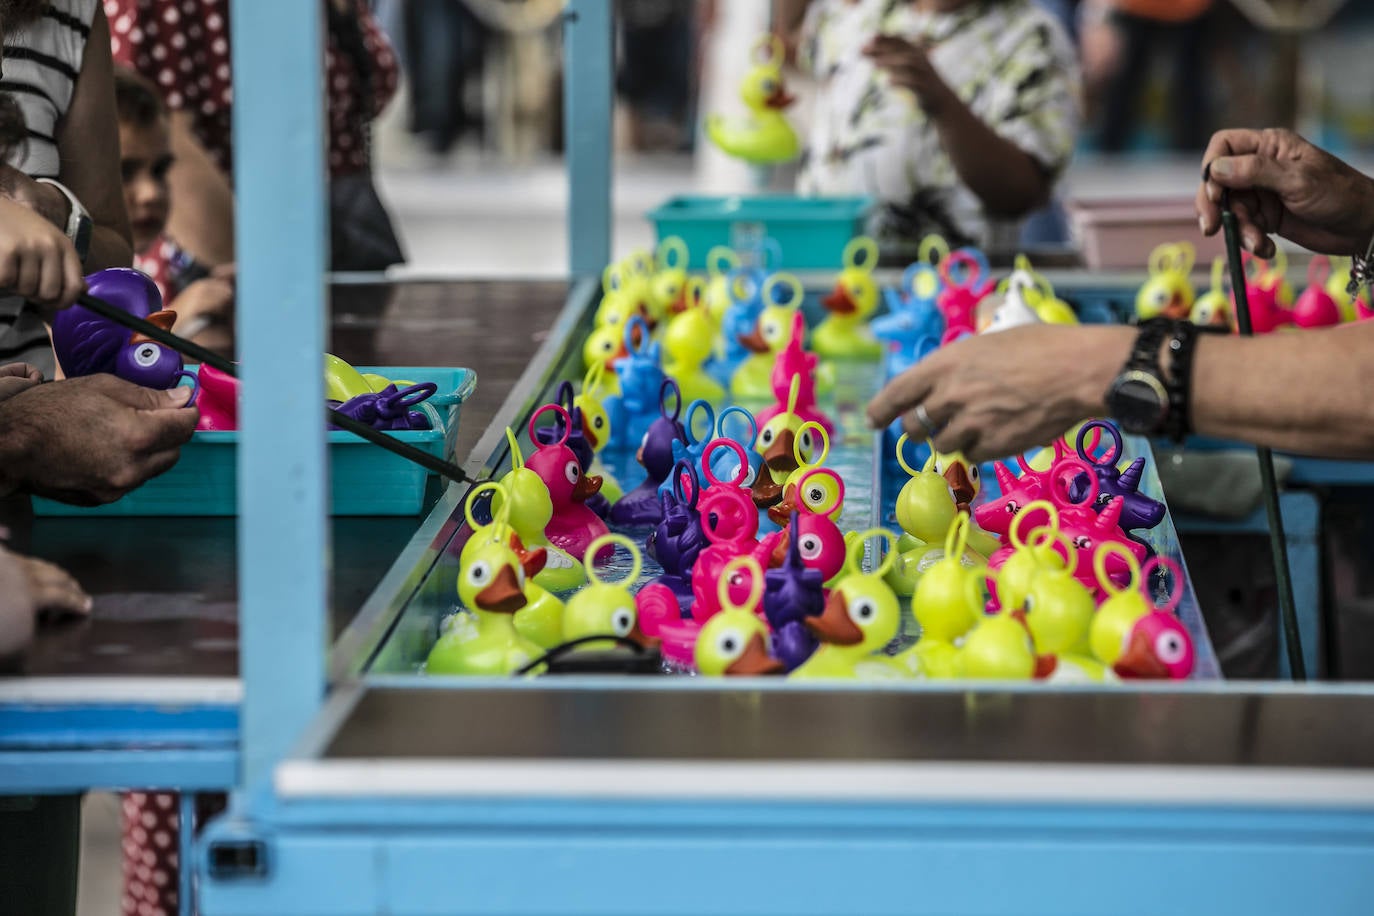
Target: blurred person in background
183 49
202 296
445 48
958 116
654 71
1120 39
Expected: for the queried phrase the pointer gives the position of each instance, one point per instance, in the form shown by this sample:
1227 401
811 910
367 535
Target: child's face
145 156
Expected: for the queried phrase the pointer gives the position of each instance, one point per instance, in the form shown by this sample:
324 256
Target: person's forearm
202 217
1297 391
1309 391
1004 177
108 249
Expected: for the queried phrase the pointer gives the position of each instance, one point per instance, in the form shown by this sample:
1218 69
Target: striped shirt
41 64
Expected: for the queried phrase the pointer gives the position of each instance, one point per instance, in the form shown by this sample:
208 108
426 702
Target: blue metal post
588 65
279 161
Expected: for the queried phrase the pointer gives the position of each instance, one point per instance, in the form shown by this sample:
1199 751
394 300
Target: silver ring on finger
923 417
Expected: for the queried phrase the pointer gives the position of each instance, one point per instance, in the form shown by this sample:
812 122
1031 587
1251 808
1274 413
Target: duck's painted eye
479 573
769 86
809 547
814 495
146 355
622 621
973 472
1104 498
1029 604
1170 648
805 442
862 610
607 346
771 330
572 471
750 474
1083 542
766 437
730 644
599 422
1013 507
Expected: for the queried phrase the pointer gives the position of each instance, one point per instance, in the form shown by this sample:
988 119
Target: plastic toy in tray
775 328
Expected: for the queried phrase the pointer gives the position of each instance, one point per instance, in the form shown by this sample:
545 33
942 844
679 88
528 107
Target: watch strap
78 219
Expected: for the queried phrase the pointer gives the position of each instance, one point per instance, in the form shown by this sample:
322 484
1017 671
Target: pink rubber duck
795 362
962 293
219 400
573 526
820 542
730 521
1158 647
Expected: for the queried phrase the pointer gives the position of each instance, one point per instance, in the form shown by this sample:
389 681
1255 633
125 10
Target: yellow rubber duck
596 427
492 582
735 640
1033 551
927 506
668 285
1041 296
1168 292
764 137
844 334
861 616
529 512
1119 613
1213 308
605 608
753 378
688 343
720 263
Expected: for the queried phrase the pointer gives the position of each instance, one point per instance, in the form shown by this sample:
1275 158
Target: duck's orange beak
589 435
639 636
779 555
956 475
779 455
755 660
839 302
678 305
766 491
753 341
780 98
503 596
164 319
588 486
1177 309
834 625
1139 661
531 561
781 513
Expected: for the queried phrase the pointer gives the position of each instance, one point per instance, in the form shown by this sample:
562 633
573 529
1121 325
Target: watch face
1138 403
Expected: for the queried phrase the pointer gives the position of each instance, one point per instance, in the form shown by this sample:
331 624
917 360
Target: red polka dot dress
182 46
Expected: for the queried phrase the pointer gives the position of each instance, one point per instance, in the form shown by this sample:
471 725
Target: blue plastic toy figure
641 376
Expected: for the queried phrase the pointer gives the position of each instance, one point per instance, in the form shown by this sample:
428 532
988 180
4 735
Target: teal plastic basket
364 479
810 231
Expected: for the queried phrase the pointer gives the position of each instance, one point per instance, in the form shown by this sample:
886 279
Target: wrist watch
78 220
1139 398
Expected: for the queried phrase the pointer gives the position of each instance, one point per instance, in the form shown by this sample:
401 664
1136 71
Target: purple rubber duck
640 506
678 539
792 593
86 343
